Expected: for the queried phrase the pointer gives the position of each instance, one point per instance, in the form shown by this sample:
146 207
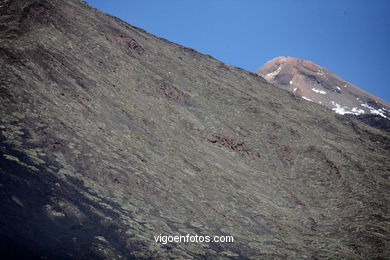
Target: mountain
111 138
315 83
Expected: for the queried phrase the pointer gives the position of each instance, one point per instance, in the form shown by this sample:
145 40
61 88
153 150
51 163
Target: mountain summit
315 83
113 140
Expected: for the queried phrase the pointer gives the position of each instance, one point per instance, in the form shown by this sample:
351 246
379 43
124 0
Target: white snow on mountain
357 111
339 109
380 111
272 74
346 110
319 91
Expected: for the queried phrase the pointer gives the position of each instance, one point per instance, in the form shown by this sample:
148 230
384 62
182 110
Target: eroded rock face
317 84
110 136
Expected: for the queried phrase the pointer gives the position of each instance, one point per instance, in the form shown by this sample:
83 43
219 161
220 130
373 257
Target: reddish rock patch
234 144
131 46
172 93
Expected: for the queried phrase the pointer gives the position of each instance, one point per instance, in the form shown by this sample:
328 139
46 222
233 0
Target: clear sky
349 37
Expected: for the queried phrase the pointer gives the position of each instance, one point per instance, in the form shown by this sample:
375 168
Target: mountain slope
317 84
111 136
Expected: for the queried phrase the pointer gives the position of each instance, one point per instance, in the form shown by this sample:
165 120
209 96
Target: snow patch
319 91
357 111
291 82
338 88
305 98
274 73
346 110
339 109
295 89
374 111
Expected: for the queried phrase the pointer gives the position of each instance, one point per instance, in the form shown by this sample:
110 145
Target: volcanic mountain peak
317 84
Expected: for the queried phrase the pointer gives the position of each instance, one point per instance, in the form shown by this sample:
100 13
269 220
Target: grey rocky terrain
110 136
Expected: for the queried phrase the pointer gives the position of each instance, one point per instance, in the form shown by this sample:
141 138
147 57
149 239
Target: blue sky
349 37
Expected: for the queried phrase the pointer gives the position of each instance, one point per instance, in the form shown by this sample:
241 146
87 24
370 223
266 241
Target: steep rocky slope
315 83
110 136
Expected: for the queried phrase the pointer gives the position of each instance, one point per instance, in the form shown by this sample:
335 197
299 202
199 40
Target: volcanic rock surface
110 136
317 84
